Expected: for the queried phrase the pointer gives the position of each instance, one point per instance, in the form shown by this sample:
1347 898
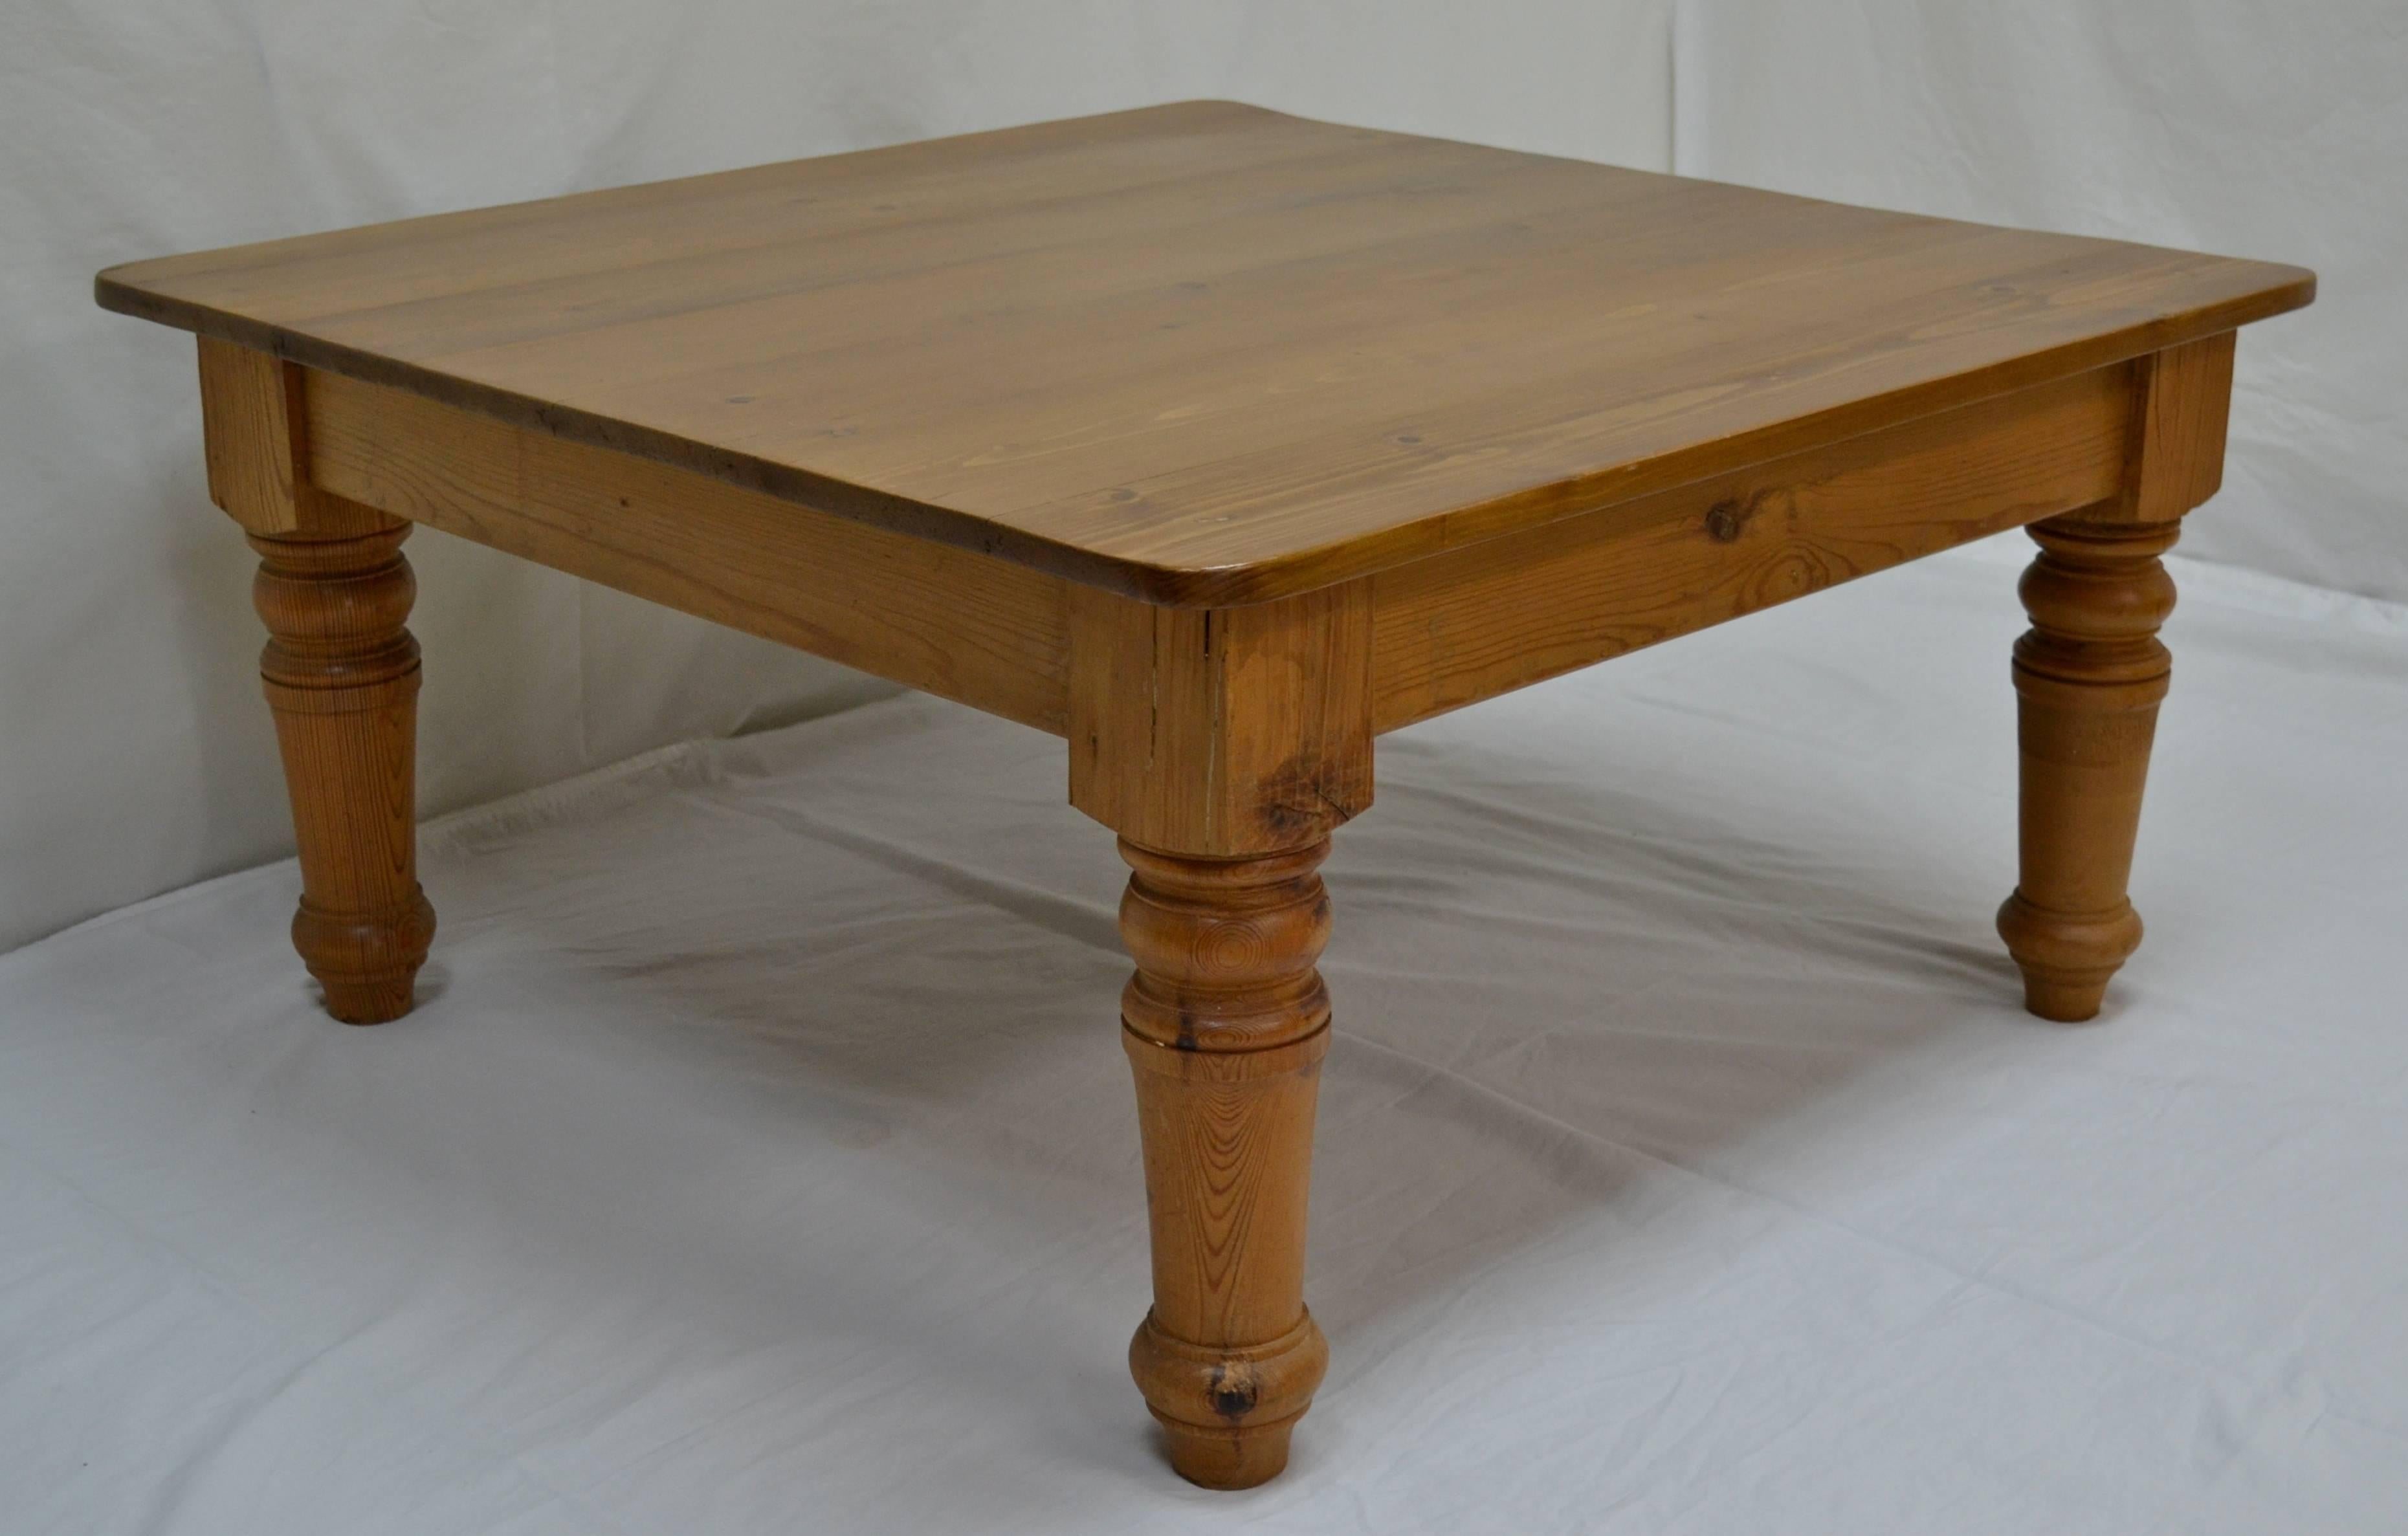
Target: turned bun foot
367 965
2065 999
1227 1413
2067 957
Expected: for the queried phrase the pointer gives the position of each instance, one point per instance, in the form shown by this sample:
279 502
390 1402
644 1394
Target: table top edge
2257 290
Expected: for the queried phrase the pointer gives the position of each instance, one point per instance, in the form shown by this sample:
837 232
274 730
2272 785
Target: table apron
1448 630
942 619
1454 628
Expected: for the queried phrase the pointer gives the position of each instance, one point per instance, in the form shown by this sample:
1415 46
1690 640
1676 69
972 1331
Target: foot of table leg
1227 1021
341 674
2089 675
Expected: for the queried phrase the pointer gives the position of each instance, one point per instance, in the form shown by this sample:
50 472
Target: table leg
2090 674
1226 1021
1224 745
341 674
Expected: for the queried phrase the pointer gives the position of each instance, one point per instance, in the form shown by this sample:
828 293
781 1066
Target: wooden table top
1203 351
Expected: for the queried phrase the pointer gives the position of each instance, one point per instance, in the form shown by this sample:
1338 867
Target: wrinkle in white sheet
759 1157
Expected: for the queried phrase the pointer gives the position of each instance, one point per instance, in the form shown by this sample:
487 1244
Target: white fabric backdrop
135 754
2237 126
1685 1164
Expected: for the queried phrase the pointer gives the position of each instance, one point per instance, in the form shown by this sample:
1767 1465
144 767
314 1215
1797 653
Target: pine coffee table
1216 442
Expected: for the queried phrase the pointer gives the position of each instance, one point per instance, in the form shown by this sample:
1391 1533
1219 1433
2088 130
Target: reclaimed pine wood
341 675
1201 354
1222 731
1216 442
255 422
1224 746
1469 625
2174 450
2089 676
1226 1022
936 617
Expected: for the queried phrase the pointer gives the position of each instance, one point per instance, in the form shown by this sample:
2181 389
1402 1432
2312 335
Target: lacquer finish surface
1202 353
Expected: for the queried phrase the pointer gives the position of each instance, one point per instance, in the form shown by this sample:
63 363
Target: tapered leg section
341 674
2089 675
1227 1021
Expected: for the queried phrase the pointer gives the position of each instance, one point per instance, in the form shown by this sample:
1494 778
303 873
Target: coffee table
1216 442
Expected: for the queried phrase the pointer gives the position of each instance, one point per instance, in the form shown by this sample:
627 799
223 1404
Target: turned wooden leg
1223 745
341 674
2089 674
1227 1021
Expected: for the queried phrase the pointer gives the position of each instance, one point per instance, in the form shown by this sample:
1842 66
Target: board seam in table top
2255 291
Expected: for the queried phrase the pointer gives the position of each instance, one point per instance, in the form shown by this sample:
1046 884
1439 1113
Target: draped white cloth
761 1158
2235 127
134 756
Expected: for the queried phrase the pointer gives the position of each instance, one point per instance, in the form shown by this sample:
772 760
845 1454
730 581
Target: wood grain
1456 628
2089 675
254 424
1226 1022
1217 441
947 621
2181 402
1222 731
1202 355
1224 745
341 674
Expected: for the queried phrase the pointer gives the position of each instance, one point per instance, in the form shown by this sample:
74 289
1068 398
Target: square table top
1202 348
